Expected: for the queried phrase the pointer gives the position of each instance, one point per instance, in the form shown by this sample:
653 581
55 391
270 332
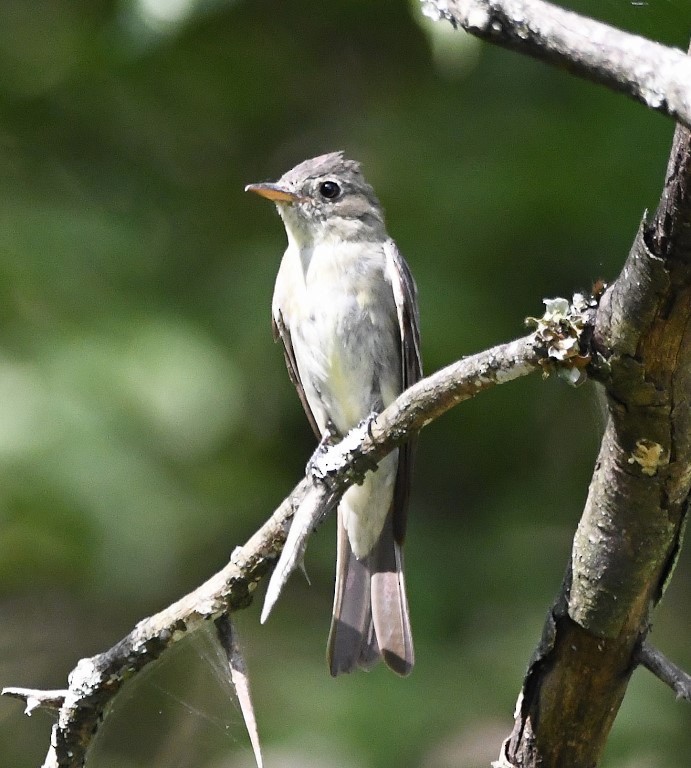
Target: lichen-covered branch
632 525
657 76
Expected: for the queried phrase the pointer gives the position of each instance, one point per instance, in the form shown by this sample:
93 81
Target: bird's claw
320 468
367 422
328 439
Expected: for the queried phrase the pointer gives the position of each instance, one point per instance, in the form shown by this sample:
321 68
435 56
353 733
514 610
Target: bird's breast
340 310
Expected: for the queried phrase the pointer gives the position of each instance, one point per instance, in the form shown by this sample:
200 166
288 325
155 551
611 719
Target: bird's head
325 198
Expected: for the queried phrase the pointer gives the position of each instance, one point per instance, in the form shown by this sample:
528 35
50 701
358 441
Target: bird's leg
319 467
329 438
366 424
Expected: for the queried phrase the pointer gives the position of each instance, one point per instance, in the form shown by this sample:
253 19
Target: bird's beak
273 192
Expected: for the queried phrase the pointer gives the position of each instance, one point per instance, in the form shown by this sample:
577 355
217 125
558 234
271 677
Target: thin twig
35 699
237 666
670 674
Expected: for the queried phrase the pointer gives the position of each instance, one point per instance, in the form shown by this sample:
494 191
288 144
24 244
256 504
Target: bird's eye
329 189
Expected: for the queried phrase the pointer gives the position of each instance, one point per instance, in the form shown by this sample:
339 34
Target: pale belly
348 357
344 330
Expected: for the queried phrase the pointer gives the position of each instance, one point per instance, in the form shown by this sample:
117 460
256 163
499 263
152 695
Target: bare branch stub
630 532
665 670
37 699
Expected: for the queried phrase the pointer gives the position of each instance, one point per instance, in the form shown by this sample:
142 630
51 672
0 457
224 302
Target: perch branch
95 681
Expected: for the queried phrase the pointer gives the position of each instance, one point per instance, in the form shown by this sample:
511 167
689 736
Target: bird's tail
370 613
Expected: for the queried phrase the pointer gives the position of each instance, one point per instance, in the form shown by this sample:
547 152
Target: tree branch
95 681
630 533
657 76
670 674
36 699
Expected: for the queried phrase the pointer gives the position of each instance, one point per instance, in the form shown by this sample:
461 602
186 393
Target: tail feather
370 653
390 605
370 613
352 640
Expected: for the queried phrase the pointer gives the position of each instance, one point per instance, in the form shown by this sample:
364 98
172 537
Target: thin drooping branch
96 680
227 636
657 76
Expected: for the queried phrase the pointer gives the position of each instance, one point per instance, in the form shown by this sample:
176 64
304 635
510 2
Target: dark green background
147 424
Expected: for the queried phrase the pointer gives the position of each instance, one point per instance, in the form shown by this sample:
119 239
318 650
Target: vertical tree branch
630 532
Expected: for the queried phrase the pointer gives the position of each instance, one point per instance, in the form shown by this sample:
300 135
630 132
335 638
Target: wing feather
405 296
282 332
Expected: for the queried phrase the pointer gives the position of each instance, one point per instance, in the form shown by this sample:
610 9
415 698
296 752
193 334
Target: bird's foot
322 465
367 422
329 438
366 426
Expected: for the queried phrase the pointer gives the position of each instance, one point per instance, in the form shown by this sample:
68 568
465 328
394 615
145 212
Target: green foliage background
147 424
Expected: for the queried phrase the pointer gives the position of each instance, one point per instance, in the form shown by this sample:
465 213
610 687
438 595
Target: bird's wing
405 296
282 332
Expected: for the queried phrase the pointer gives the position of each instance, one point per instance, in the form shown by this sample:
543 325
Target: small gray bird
345 308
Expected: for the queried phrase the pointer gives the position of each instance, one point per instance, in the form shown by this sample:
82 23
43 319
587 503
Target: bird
345 308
